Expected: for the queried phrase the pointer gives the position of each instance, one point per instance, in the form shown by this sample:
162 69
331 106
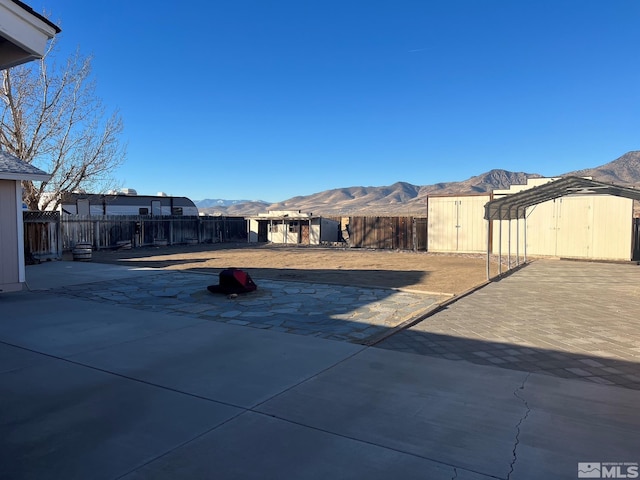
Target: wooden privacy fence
398 233
111 231
42 235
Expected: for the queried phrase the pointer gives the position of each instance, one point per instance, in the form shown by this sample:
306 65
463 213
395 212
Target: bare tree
52 118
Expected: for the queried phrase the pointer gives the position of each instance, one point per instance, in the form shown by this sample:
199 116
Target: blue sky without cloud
269 99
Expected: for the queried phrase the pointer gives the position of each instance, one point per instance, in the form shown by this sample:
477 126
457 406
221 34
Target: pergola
514 207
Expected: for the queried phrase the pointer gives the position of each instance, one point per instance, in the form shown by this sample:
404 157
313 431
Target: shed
12 172
588 226
292 227
570 217
455 223
23 37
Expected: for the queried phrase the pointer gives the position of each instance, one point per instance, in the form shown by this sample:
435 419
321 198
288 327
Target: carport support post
517 238
500 247
488 249
525 236
509 246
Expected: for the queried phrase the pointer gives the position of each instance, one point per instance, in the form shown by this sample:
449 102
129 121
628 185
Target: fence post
96 234
59 244
414 233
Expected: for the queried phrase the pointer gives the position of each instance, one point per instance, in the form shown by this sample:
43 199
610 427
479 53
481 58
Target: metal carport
514 206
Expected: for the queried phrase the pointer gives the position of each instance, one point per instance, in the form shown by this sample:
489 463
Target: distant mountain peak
622 170
219 202
403 198
483 183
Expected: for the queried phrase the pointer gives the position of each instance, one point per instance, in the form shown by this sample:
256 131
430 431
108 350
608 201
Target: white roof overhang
23 34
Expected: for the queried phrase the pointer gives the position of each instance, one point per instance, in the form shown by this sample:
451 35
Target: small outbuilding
569 217
572 217
455 223
23 37
292 227
12 263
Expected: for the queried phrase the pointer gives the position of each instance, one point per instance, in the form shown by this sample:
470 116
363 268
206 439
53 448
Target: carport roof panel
513 206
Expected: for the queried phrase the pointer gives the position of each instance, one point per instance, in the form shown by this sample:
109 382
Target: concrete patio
92 388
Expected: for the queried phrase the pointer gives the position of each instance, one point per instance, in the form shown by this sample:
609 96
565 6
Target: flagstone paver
337 312
562 318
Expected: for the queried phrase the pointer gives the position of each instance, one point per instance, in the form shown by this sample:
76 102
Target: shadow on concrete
338 319
606 371
356 314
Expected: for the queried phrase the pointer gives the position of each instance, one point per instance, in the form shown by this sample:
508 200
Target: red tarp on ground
233 280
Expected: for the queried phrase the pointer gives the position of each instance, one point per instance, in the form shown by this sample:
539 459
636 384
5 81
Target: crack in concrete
518 425
455 473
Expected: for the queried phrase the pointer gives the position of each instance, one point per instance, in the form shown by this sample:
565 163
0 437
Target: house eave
23 33
36 177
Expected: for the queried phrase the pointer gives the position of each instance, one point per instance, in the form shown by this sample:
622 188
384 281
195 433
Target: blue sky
270 99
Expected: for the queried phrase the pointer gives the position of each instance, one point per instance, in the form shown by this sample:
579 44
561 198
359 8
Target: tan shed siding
289 237
9 254
442 236
589 227
276 234
253 227
473 228
315 232
456 224
613 239
542 229
280 232
573 223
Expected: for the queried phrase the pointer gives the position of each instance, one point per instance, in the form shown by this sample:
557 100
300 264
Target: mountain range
220 203
404 198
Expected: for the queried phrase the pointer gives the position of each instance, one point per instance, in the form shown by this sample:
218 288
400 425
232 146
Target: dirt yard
417 271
